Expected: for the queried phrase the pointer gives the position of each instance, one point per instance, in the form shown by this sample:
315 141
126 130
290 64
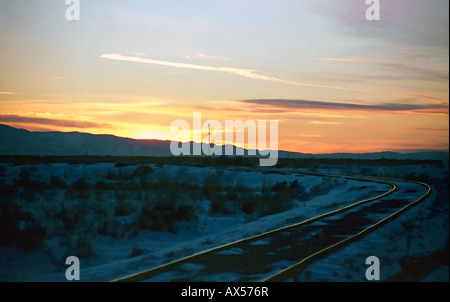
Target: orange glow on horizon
316 132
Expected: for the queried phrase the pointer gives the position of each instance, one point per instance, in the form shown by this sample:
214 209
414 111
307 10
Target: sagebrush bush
124 208
218 202
131 198
31 237
84 248
142 170
137 251
249 202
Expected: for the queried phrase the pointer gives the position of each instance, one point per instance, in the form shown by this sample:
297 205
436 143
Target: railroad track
281 254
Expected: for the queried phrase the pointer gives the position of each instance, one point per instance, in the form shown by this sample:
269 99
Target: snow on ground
114 256
429 223
120 257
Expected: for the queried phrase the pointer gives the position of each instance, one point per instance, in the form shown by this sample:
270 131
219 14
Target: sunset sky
335 81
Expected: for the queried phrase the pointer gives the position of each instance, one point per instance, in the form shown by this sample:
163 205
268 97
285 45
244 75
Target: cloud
311 135
344 60
238 71
12 118
432 129
204 56
304 104
408 23
57 77
6 93
406 71
248 73
324 123
396 70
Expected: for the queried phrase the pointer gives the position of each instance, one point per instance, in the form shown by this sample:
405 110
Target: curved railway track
281 254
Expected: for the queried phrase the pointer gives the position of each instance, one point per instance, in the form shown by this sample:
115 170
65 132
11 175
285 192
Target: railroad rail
281 254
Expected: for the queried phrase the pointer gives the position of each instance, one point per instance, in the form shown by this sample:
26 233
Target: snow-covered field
124 246
418 233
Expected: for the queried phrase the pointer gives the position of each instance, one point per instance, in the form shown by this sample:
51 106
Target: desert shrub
25 172
137 251
142 171
8 226
218 203
84 248
120 165
163 182
120 174
73 216
112 174
280 186
265 187
322 188
231 193
28 195
124 208
194 194
248 202
240 188
164 209
104 228
166 214
211 185
296 189
101 189
189 186
101 185
146 183
80 189
31 237
119 227
131 186
185 211
30 185
57 183
8 193
275 202
151 218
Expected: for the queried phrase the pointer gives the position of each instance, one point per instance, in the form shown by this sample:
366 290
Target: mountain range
15 141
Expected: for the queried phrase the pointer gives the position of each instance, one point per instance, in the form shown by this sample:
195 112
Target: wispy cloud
305 104
432 129
248 73
12 118
57 77
205 56
311 135
324 123
345 60
7 92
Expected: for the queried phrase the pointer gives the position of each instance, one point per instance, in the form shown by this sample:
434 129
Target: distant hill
424 155
22 142
15 141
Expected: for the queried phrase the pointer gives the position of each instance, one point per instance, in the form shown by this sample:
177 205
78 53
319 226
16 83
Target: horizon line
411 151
